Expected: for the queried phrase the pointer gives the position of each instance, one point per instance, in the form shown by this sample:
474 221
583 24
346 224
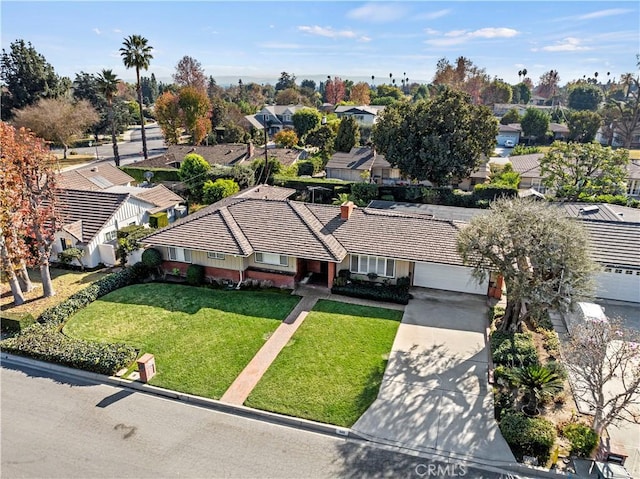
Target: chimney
345 210
250 150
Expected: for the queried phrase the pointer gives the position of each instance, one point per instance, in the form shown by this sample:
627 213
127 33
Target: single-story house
633 183
244 237
364 114
351 166
529 168
91 220
98 176
511 132
559 131
614 245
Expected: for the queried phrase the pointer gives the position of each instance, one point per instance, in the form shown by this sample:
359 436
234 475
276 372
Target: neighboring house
500 109
161 197
633 183
511 132
479 176
614 245
528 166
91 220
559 131
166 160
351 166
98 176
275 117
364 114
244 237
601 212
617 138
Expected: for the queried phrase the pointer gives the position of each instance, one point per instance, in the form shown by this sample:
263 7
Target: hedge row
46 343
391 293
159 174
15 322
58 314
513 349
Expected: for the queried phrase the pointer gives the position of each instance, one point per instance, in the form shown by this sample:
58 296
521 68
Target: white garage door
622 286
447 277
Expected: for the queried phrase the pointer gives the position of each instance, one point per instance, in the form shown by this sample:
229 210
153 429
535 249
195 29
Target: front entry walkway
435 395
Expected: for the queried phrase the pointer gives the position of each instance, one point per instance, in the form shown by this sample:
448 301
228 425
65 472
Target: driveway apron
435 394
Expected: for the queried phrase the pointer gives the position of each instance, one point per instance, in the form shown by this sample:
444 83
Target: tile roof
267 192
527 165
224 154
370 109
161 196
614 243
94 177
441 212
634 170
359 158
92 208
558 128
592 211
286 156
167 160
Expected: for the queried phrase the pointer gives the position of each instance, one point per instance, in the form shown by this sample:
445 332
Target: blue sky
256 41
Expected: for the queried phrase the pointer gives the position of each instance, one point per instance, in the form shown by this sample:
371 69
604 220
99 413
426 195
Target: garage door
622 286
447 277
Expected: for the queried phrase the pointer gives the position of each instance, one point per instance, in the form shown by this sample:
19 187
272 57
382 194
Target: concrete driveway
435 396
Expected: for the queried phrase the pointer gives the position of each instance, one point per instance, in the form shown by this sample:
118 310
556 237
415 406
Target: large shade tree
436 140
136 53
533 246
575 169
535 124
107 83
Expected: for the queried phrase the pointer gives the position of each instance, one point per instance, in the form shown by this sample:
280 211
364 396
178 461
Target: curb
243 411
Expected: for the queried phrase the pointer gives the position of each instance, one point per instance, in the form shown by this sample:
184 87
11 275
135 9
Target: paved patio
435 395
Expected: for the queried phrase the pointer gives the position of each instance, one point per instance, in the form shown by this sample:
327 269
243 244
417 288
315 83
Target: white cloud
569 44
604 13
434 15
326 32
364 39
431 31
377 13
117 30
457 37
97 31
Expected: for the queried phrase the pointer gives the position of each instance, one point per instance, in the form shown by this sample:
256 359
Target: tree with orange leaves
29 214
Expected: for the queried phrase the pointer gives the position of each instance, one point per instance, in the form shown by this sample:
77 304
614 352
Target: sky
256 41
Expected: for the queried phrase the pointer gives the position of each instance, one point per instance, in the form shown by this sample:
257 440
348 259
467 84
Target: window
218 256
628 272
607 270
110 235
179 254
270 258
64 242
362 264
618 271
287 117
537 185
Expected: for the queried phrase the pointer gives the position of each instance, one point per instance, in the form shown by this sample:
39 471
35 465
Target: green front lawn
201 338
332 368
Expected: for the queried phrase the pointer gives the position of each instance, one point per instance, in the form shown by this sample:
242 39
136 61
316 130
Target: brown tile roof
95 177
614 243
267 192
527 165
286 156
167 160
92 208
359 158
634 170
161 196
311 231
558 128
227 154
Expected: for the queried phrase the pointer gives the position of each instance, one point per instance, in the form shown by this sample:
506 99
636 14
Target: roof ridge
236 231
330 242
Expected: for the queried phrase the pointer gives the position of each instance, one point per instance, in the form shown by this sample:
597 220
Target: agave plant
537 382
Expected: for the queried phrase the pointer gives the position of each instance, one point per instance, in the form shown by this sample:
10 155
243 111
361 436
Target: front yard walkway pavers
251 374
435 395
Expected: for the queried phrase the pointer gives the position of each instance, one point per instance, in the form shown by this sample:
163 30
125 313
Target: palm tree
108 86
524 73
519 74
136 53
537 382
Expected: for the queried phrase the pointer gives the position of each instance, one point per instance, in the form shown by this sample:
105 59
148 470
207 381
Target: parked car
584 313
509 143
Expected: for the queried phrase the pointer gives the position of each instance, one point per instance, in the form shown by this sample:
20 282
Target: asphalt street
56 426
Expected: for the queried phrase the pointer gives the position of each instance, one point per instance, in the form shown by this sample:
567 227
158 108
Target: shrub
551 342
70 254
213 191
195 274
528 436
524 150
305 168
58 314
363 193
513 349
151 258
45 342
583 439
502 403
391 293
490 192
15 322
495 313
558 369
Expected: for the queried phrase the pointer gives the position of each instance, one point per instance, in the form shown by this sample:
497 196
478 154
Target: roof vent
94 169
589 209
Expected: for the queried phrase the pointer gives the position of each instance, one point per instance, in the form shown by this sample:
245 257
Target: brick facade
280 280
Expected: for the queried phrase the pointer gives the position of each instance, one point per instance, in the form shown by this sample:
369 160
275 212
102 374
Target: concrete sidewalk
435 395
240 389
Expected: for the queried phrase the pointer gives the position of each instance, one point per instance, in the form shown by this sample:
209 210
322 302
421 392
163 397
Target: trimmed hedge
151 258
45 342
159 174
528 436
391 293
513 349
15 322
62 311
195 274
583 439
